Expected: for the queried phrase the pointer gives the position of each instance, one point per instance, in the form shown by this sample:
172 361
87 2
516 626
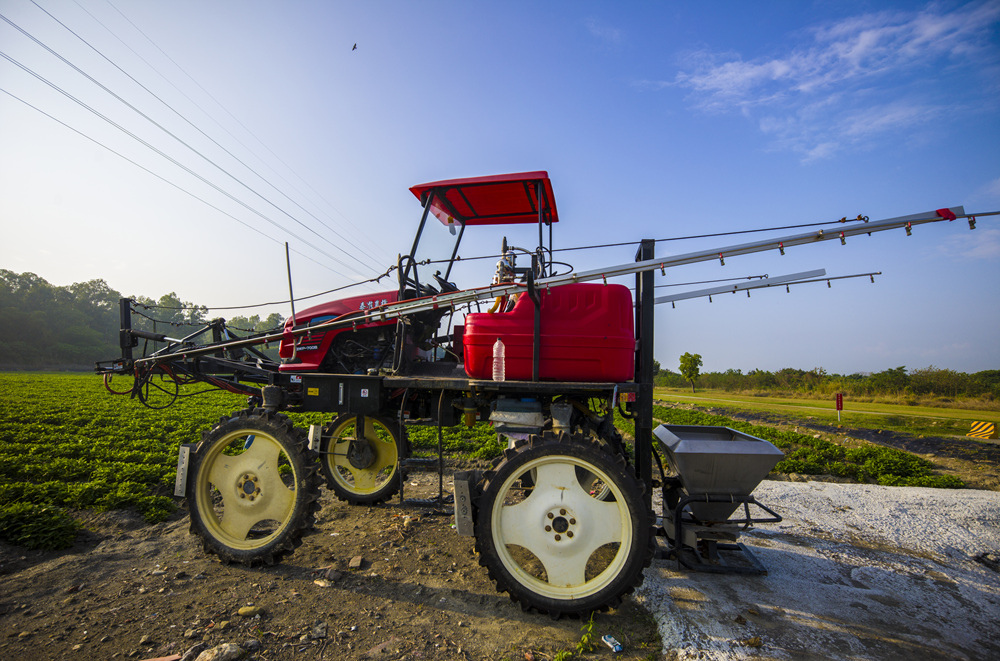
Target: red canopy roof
495 200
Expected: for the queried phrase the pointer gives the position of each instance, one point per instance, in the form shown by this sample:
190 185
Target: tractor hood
342 306
306 353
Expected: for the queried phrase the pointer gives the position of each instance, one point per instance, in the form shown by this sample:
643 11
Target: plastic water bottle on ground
499 360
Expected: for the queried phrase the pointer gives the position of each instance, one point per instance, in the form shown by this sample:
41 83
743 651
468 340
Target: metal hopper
716 470
716 461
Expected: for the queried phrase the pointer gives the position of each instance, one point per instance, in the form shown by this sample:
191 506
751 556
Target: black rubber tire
252 488
598 558
372 484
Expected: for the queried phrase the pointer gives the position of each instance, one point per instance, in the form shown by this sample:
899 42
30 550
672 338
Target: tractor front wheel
252 488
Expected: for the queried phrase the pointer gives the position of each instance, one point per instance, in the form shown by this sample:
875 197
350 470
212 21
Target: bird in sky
355 48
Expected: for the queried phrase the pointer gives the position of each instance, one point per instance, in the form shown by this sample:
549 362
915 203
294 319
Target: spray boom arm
455 299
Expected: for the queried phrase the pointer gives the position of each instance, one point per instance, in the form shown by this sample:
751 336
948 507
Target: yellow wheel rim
245 489
384 461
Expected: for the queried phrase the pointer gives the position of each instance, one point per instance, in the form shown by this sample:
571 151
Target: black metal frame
365 395
214 369
643 409
716 564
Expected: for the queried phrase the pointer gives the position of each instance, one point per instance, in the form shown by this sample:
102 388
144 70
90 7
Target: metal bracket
183 464
465 482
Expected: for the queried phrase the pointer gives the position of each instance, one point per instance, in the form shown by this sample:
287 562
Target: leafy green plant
66 443
586 643
38 526
478 441
563 655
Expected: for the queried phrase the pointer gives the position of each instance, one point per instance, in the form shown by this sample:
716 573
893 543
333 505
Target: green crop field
917 420
67 444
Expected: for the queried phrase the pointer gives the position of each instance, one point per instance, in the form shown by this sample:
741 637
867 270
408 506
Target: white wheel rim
558 494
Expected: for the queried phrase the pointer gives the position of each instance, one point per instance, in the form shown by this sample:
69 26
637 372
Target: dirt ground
133 591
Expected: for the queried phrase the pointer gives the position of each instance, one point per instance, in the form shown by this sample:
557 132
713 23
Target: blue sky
653 119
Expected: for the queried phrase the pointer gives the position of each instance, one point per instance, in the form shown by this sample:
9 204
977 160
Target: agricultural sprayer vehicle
563 521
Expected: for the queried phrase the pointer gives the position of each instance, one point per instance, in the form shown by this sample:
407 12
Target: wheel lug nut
569 534
572 522
558 538
551 515
242 495
562 512
548 528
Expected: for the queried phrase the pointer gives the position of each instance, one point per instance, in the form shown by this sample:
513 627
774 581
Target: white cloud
882 118
819 152
603 32
848 81
820 130
980 243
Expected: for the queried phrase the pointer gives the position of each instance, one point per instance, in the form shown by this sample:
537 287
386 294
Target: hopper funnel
716 461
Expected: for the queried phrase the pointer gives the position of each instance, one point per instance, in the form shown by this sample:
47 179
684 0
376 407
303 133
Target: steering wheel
410 281
445 285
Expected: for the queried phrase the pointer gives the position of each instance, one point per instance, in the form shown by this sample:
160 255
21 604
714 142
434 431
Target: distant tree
690 367
890 382
937 381
757 379
986 382
52 327
254 324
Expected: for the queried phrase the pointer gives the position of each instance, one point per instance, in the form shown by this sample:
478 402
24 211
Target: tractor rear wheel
252 488
361 468
556 545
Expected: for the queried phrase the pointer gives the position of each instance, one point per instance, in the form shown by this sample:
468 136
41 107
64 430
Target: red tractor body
306 353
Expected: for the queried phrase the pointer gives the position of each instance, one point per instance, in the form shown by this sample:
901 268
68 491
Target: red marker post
840 404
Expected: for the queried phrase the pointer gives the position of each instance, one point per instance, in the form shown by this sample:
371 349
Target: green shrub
38 526
489 448
932 481
880 462
155 509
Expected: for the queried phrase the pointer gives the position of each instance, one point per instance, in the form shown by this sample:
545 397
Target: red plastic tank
586 335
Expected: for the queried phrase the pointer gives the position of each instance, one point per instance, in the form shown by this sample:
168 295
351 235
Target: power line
178 139
270 303
164 179
224 109
713 235
190 123
663 240
164 155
